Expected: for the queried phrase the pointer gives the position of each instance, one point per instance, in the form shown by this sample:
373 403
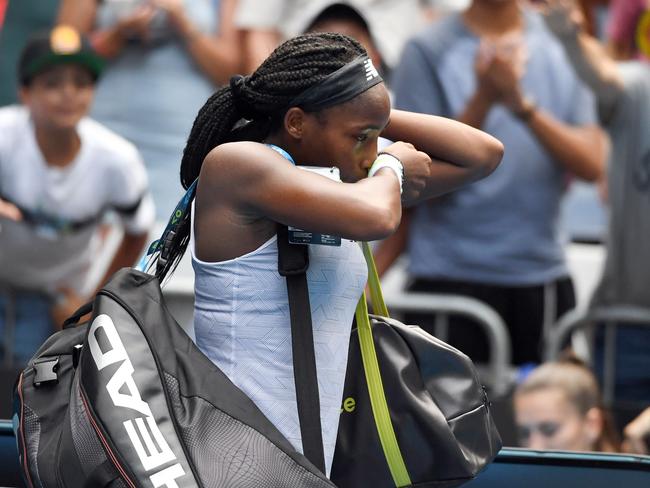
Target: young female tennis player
317 101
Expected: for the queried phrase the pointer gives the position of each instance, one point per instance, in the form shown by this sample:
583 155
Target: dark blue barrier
9 469
513 468
523 468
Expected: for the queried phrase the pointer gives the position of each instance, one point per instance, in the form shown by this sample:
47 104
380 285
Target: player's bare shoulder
234 164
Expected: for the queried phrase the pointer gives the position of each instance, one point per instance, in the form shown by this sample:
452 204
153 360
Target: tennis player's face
346 135
59 97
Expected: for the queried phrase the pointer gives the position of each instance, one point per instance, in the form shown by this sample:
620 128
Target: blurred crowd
97 98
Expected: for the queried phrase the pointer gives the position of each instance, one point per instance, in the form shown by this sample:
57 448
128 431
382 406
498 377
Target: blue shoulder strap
161 245
181 210
282 152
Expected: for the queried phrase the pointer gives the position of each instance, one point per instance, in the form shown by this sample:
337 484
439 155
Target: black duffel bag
425 420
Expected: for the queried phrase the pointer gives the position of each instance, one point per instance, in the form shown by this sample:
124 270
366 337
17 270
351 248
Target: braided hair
261 101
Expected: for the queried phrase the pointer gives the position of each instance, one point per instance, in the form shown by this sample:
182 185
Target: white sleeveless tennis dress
241 321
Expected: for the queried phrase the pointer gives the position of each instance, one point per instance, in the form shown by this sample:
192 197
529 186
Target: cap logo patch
65 40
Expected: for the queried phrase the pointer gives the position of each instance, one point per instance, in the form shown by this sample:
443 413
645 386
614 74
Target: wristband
385 160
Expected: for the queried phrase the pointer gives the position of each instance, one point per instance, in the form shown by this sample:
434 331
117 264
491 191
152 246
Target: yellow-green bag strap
376 296
380 411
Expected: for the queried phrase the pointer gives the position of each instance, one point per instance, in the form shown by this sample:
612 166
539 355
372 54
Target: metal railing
611 317
497 374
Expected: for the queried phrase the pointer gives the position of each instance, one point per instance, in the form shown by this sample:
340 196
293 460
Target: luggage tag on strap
299 236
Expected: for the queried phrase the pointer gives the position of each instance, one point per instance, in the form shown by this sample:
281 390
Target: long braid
216 117
262 98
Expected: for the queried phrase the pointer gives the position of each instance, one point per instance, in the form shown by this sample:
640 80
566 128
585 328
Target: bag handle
75 317
380 411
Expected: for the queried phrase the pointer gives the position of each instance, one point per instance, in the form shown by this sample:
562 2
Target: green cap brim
88 60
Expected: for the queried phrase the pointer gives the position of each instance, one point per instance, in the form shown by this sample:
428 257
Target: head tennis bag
128 401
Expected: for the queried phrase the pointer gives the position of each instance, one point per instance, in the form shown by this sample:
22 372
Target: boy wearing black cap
59 173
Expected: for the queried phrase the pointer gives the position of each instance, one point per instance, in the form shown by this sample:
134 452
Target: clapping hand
175 11
136 24
500 66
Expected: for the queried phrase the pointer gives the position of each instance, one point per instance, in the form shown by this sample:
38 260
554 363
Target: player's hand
417 169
